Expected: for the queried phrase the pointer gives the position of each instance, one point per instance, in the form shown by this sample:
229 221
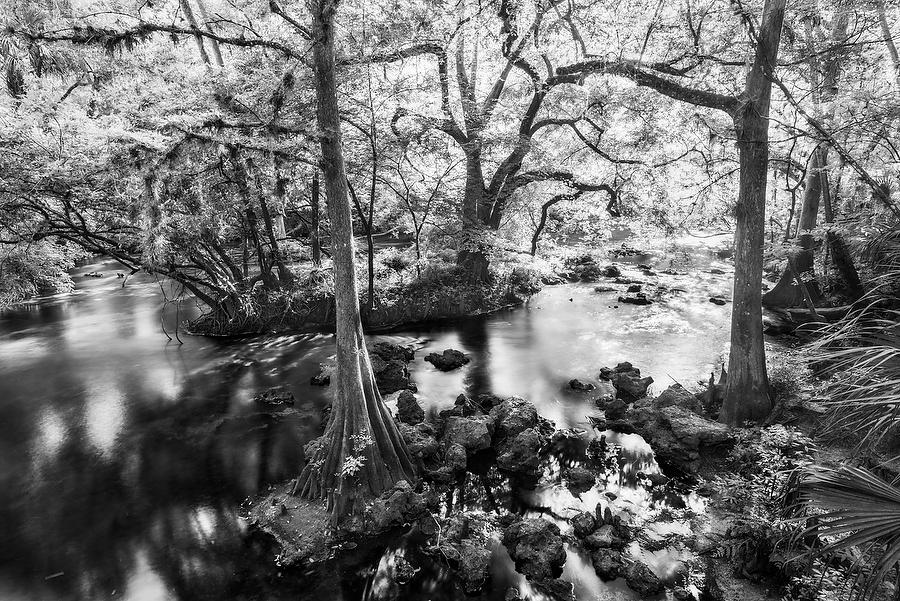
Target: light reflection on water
124 457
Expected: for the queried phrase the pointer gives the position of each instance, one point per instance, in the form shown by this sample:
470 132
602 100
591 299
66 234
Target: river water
124 457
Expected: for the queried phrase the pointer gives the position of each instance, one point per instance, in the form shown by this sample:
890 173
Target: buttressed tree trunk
786 293
361 453
747 389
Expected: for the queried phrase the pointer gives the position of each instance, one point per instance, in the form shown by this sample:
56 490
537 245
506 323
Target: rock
604 537
389 351
584 268
514 415
681 437
611 271
621 426
449 360
682 593
677 395
608 563
657 479
557 589
638 299
634 288
627 380
576 384
521 454
717 301
579 480
474 565
408 409
606 390
716 271
512 594
390 375
323 378
275 397
536 547
642 580
455 458
465 406
614 409
420 441
398 506
605 289
583 524
472 433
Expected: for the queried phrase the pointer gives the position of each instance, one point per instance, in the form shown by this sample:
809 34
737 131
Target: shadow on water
124 458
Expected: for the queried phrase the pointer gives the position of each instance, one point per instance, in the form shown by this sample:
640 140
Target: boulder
579 479
634 288
389 351
614 409
472 433
514 415
420 441
642 580
611 271
536 547
408 409
390 375
718 301
474 565
521 453
576 384
608 563
680 437
449 360
455 458
396 507
557 589
678 395
604 537
627 380
638 299
278 396
583 524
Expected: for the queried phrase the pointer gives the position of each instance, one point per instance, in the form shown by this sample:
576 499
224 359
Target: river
124 457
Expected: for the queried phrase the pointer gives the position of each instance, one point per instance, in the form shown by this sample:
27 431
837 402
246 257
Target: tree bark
786 293
314 236
361 453
747 389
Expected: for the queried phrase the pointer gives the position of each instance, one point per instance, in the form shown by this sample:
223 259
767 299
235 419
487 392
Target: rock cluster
389 365
449 360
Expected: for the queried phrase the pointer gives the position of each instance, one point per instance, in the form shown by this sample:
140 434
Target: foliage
860 356
37 268
851 510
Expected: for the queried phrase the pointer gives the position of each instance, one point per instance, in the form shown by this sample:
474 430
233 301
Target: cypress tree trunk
747 389
786 293
472 256
361 453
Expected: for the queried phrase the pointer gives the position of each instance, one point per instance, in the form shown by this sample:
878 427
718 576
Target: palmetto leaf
860 510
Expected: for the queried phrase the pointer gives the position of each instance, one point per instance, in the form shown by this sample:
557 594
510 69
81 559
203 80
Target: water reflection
124 457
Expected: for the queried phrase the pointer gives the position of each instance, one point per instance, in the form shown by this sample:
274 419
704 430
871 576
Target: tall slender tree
747 389
361 453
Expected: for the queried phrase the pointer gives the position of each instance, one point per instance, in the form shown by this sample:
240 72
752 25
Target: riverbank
561 508
438 295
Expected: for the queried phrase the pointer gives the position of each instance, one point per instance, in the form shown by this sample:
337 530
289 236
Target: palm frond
857 509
